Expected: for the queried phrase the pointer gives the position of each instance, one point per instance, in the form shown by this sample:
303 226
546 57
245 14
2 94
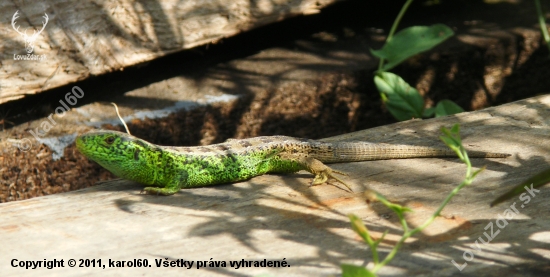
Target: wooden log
278 217
85 38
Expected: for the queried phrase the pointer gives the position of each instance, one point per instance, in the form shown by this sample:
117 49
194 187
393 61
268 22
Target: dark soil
337 103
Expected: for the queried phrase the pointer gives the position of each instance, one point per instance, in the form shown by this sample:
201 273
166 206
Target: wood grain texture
85 38
274 217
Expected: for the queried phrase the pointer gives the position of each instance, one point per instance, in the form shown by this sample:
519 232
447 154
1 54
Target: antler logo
29 40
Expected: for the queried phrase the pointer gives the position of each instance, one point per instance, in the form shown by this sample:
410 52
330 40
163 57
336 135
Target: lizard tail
364 151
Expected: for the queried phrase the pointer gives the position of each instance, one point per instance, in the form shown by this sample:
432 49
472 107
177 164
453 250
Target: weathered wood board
84 38
279 218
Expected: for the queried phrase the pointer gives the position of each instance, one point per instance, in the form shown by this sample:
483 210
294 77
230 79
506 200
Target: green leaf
428 112
449 142
452 139
536 181
447 107
452 143
400 210
403 101
455 130
349 270
360 228
411 41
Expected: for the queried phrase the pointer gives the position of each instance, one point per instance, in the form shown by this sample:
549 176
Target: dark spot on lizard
136 155
245 143
266 140
204 149
232 157
140 143
222 147
180 149
204 165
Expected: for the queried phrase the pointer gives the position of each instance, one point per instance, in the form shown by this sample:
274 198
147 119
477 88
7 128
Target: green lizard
167 169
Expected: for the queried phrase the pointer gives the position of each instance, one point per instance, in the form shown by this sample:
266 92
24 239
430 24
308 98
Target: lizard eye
110 140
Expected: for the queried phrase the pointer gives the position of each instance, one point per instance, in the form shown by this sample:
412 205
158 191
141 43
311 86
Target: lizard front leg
174 185
321 171
168 190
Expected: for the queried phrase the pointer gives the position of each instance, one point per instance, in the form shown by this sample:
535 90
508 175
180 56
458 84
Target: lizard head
120 153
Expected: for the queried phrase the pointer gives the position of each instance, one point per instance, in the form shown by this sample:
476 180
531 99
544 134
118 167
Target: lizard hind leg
322 172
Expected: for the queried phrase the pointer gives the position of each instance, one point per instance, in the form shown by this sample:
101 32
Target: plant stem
467 181
394 27
542 24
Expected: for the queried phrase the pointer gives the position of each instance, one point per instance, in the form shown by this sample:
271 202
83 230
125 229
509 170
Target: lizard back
236 159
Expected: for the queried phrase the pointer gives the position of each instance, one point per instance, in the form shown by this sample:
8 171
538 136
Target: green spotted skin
173 168
167 169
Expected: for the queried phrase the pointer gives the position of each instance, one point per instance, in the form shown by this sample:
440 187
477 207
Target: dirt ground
503 61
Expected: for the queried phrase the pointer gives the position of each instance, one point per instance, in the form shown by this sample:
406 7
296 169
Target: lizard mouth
83 145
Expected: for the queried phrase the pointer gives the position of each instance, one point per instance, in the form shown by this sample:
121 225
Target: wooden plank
278 217
84 38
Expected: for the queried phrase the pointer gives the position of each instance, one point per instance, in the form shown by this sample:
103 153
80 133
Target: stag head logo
29 40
